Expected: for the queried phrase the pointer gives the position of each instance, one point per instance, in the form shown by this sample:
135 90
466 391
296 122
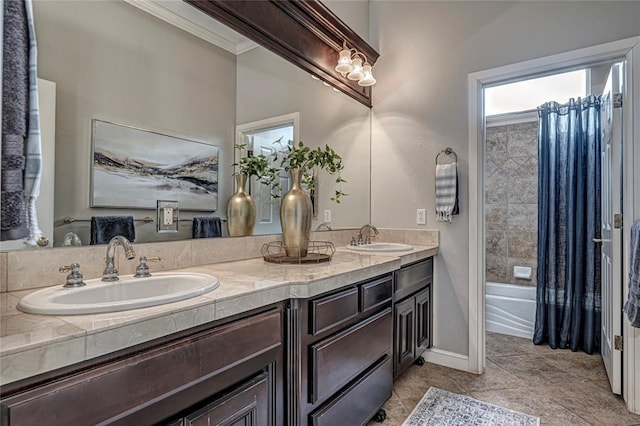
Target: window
529 94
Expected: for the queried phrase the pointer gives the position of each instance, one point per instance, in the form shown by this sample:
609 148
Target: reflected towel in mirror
104 228
206 227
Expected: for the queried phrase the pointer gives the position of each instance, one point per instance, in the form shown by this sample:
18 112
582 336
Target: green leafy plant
258 166
306 159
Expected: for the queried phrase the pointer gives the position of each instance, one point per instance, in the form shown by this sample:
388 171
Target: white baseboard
447 359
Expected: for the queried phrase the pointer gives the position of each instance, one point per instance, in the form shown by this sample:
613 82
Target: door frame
628 49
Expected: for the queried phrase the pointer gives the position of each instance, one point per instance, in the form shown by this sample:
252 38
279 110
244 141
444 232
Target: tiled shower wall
511 190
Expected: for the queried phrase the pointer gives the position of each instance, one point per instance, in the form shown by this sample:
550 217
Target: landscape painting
133 168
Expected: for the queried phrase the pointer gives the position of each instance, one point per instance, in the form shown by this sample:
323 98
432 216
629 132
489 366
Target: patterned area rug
441 408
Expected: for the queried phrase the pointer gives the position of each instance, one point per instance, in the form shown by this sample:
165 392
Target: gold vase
295 217
241 210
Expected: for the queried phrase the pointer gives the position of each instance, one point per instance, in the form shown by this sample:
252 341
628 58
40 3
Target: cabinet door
423 320
404 350
246 406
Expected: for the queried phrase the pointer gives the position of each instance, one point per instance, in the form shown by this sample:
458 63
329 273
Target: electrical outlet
167 216
421 216
327 215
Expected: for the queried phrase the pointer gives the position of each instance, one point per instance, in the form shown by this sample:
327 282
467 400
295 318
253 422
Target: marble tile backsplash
511 210
22 270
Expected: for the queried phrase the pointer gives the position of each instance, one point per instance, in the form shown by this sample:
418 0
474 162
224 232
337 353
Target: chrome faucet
368 239
324 226
71 239
110 272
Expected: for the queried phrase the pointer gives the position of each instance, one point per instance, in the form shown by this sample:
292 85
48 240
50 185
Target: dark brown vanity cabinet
412 313
230 371
343 360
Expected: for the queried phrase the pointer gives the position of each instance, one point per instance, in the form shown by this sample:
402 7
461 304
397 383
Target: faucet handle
142 270
74 279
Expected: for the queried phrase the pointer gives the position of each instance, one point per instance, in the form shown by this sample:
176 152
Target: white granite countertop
33 344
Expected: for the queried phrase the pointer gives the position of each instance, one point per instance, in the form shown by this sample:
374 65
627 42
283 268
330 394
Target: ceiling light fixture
350 65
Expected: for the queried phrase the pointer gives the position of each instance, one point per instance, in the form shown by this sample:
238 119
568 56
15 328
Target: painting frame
132 168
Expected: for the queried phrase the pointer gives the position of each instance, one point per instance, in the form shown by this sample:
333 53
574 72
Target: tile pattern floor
559 386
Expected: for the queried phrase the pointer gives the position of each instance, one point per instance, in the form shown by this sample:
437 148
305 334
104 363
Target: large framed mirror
115 62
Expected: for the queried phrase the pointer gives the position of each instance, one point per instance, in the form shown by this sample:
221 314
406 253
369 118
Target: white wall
420 107
354 13
114 62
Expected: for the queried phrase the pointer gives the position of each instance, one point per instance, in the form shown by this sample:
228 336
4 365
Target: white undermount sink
127 293
381 247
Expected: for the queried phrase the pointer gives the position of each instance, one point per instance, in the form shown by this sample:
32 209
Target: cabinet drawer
337 360
375 293
413 278
147 376
329 311
359 402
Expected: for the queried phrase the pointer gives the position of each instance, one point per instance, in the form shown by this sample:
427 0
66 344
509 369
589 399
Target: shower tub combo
510 309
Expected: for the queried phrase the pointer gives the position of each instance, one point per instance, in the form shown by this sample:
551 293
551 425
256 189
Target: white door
267 208
611 269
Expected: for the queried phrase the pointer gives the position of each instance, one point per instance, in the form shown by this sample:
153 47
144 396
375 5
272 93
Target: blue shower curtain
568 293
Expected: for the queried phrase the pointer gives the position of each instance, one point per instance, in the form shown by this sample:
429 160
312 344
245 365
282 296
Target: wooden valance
305 33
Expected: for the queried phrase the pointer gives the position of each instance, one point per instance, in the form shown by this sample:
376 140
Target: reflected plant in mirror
241 209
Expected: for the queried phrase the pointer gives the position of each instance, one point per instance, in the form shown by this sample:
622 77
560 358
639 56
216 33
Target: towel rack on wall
67 220
448 152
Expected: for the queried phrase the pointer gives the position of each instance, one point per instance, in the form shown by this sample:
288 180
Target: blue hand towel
104 228
206 227
632 306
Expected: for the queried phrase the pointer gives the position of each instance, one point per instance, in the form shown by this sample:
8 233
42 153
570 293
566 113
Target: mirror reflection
114 62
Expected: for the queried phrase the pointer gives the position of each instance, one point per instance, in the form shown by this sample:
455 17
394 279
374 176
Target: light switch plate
327 216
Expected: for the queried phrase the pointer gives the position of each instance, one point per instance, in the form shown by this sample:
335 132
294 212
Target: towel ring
447 151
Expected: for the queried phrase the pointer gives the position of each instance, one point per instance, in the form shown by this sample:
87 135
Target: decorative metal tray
318 252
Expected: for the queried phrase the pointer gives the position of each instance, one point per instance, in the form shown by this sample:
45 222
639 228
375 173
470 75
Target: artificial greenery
306 159
258 166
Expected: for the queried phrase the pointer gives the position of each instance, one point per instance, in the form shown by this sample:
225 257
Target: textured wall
511 209
428 49
114 62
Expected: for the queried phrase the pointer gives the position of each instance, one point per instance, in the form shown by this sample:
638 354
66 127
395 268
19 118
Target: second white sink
381 247
127 293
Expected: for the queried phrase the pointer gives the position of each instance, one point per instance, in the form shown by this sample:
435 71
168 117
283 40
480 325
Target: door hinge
617 221
617 100
618 343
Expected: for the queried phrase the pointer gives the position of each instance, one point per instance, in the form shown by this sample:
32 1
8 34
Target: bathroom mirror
114 62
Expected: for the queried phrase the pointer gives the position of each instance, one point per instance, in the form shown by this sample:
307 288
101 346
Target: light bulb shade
356 73
344 62
368 79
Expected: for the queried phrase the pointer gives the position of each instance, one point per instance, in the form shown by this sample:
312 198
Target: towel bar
67 220
447 151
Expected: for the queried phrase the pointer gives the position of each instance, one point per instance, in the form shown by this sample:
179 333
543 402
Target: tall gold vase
241 210
295 217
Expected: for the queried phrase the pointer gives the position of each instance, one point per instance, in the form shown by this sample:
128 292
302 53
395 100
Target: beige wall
269 86
420 106
114 62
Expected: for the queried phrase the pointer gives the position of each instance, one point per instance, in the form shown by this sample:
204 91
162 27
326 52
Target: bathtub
510 309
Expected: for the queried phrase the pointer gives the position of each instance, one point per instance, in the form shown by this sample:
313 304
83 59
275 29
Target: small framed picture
168 216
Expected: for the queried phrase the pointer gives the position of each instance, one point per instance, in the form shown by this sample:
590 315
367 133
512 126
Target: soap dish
318 252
